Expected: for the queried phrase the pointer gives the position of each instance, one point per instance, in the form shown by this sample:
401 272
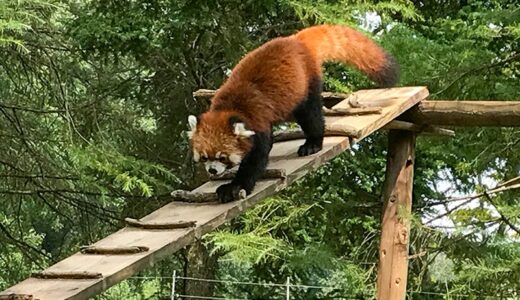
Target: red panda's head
219 139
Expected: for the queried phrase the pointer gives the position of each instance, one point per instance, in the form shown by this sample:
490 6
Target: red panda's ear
239 127
192 122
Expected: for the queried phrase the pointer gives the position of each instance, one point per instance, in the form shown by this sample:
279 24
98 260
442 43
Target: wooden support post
397 195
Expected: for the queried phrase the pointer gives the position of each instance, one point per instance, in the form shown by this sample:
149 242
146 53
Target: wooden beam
395 233
426 129
467 113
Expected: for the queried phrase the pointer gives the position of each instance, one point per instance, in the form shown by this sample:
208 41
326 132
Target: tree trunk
201 265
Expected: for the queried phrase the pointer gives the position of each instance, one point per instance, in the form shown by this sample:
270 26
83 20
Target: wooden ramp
111 269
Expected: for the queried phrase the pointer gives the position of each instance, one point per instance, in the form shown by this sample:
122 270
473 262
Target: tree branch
489 66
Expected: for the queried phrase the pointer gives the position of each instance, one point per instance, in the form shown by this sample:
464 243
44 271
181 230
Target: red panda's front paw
309 148
230 192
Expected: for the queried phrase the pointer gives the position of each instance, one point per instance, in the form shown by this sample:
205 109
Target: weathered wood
204 93
288 135
269 174
467 113
17 297
113 250
426 129
395 227
330 130
355 111
163 225
163 243
67 275
392 98
197 197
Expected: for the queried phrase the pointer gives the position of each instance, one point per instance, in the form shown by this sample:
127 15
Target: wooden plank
208 216
427 129
467 113
397 196
396 98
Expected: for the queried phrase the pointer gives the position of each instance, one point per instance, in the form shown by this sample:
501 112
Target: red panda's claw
308 149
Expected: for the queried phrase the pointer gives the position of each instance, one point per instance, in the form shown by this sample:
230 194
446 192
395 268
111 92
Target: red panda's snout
219 140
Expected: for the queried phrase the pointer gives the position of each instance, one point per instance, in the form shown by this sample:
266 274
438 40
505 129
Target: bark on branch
196 197
269 174
113 250
14 296
67 275
169 225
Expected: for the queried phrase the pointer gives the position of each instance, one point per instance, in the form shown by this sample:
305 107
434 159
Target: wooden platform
162 243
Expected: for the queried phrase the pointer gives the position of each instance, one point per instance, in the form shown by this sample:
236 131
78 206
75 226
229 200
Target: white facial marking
235 159
192 122
240 130
218 154
215 165
196 156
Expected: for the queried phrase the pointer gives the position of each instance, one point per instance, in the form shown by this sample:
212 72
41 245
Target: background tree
93 101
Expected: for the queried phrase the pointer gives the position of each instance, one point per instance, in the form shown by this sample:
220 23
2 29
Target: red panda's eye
203 159
223 159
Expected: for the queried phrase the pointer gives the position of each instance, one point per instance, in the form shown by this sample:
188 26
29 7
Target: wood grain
467 113
427 129
395 232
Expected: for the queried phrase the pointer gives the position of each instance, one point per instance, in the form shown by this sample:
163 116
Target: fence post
288 290
173 284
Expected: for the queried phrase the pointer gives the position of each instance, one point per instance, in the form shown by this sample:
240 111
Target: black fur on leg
251 168
309 116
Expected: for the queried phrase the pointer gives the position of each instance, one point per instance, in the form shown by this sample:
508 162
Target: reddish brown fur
346 45
222 138
269 82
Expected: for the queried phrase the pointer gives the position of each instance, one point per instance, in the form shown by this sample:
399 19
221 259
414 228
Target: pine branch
502 216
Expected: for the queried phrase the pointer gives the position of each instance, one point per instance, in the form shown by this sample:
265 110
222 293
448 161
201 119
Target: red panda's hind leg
309 116
250 170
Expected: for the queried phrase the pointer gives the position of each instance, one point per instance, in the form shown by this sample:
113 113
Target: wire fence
287 288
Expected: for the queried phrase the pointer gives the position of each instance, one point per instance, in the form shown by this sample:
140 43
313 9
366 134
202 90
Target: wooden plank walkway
208 216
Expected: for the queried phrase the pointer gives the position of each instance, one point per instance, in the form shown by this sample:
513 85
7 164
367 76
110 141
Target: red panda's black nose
212 171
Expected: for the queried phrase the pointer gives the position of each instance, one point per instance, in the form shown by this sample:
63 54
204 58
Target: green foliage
18 17
93 103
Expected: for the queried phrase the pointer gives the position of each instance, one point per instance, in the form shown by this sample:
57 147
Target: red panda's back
269 82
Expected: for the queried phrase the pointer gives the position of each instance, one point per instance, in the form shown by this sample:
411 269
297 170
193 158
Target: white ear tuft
240 130
192 121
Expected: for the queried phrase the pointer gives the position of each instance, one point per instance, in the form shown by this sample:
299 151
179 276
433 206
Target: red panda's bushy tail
346 45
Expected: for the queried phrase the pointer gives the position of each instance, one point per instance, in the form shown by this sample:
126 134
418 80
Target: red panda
281 78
